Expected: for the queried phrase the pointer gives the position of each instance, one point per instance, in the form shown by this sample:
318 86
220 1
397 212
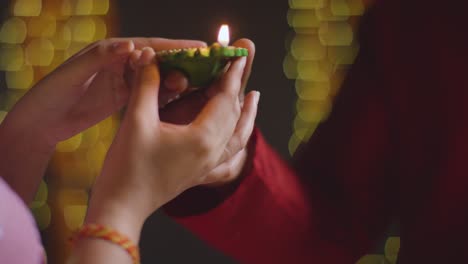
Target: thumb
145 83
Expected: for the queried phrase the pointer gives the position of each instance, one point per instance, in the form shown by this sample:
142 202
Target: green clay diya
201 65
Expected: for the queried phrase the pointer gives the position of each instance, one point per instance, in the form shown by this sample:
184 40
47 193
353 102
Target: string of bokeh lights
320 48
36 37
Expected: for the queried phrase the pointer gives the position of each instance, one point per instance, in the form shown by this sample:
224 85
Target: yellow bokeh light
71 144
10 97
13 31
307 47
310 90
347 7
313 111
42 215
72 170
293 143
392 247
11 57
74 216
372 259
306 4
41 196
299 124
74 48
40 52
290 67
304 132
41 72
336 34
95 157
306 18
21 79
83 29
27 7
325 14
101 29
67 197
66 8
343 55
100 7
62 37
107 127
319 71
2 115
90 137
42 26
82 7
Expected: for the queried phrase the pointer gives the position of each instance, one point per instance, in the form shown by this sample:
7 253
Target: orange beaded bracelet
109 234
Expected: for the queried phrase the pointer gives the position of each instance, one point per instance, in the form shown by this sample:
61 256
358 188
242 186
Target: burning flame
223 36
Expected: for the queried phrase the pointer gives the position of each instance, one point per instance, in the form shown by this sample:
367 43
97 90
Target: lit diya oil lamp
201 66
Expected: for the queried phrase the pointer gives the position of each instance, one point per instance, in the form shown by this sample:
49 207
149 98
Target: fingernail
243 61
134 58
256 97
149 49
123 47
147 55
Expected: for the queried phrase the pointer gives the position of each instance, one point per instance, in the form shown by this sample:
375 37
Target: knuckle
202 142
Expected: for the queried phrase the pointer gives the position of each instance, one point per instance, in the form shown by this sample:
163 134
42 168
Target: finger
106 94
143 105
175 84
147 56
176 81
77 71
226 171
244 127
140 43
137 59
134 59
248 44
131 67
221 112
164 44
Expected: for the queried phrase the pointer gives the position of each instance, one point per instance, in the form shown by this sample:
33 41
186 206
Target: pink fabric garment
19 238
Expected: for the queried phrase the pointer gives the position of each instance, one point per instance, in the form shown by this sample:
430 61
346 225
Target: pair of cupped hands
158 152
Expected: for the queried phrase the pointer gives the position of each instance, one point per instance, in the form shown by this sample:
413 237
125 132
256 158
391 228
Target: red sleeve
330 207
267 218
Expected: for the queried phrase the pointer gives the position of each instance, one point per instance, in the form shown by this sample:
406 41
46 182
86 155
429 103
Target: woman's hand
185 110
84 90
152 161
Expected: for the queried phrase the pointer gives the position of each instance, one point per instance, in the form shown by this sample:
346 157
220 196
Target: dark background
265 23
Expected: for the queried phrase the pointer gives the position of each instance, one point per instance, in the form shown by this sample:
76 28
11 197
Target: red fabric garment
394 147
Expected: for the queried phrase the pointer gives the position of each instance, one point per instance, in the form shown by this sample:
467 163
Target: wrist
25 160
117 216
26 137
